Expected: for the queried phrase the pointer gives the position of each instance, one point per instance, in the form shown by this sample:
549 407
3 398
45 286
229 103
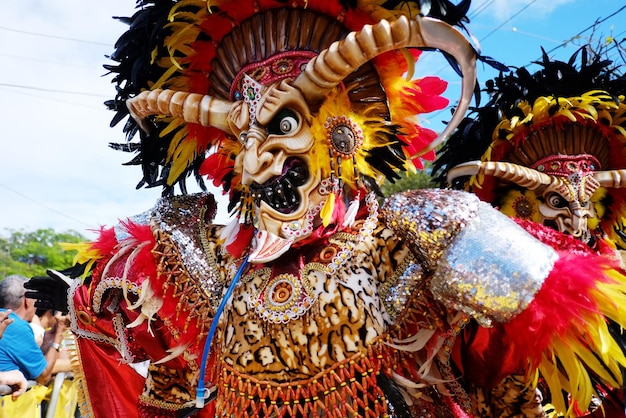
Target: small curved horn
611 178
191 107
331 66
523 176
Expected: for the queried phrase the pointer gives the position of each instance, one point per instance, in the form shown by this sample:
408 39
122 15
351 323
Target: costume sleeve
535 309
118 315
102 310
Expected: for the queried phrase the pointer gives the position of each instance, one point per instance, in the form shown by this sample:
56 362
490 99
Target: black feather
397 406
133 71
582 72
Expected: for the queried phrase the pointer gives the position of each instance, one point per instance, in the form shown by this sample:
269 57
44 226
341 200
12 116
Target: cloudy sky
56 170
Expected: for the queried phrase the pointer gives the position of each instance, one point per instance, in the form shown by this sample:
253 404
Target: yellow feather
568 114
586 350
574 379
621 130
181 153
327 210
592 362
85 254
592 105
611 298
550 373
174 124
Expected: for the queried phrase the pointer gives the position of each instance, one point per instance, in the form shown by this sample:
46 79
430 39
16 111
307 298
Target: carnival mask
564 185
273 124
271 117
566 202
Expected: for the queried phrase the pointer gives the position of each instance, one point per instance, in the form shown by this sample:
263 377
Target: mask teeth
281 193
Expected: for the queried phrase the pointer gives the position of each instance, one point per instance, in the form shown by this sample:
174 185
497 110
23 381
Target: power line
77 93
597 22
58 212
47 61
43 35
508 20
480 9
53 99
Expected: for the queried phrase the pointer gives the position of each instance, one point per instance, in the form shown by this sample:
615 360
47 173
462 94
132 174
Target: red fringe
555 239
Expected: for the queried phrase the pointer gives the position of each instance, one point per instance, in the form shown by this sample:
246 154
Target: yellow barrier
29 404
26 406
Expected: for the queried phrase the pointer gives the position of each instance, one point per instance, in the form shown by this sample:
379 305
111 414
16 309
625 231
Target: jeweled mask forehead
288 64
566 165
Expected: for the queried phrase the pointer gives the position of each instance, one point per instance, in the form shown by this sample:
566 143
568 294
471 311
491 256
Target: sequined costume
548 148
314 301
551 156
312 333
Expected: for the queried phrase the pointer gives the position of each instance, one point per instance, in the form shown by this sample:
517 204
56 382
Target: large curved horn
611 178
191 107
523 176
331 66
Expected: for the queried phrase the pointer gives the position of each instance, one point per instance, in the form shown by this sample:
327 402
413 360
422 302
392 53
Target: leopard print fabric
312 311
167 388
513 397
344 316
347 314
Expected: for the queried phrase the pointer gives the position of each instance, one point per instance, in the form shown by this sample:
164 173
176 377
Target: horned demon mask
299 111
557 160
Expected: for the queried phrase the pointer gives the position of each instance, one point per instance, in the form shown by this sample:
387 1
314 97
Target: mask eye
286 122
556 201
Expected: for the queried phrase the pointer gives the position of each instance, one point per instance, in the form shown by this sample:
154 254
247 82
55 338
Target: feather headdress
546 119
207 47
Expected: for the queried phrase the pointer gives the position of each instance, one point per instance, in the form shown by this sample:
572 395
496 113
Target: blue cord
200 389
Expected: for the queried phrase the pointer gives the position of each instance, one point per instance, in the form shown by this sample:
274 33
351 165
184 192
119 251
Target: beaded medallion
282 298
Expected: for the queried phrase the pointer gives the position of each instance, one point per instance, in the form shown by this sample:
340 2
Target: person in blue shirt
18 348
13 378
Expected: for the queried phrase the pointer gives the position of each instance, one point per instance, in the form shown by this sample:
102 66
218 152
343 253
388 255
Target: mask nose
259 165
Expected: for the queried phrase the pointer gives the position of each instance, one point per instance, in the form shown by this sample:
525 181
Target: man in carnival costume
314 301
548 151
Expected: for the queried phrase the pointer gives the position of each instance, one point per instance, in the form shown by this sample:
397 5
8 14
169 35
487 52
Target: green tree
32 253
413 181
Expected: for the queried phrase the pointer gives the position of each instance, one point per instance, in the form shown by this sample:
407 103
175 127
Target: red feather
204 136
106 242
216 166
241 242
561 303
424 95
143 265
487 355
419 139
